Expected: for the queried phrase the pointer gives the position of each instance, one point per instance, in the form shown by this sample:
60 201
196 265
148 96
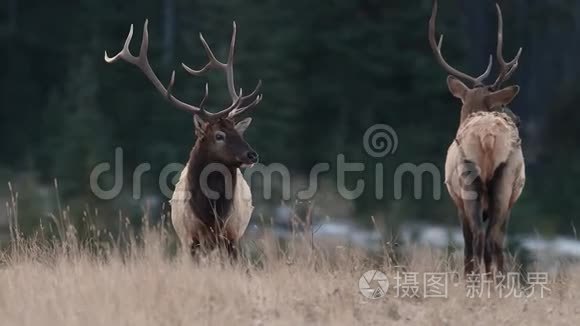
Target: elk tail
488 143
487 147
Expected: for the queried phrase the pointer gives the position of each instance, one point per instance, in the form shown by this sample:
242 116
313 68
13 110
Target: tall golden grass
135 279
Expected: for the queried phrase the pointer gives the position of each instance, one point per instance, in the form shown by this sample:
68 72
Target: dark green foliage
331 69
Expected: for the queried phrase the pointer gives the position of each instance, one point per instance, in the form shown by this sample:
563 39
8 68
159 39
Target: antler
437 51
506 68
228 68
142 62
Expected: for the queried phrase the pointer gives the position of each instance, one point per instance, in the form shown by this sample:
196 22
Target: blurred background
330 70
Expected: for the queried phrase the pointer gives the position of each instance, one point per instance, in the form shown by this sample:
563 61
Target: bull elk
484 168
212 207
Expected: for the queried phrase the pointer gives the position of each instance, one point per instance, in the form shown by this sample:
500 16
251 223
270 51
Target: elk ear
199 125
456 87
503 96
243 125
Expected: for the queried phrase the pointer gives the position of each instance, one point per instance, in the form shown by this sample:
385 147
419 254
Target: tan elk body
212 203
484 168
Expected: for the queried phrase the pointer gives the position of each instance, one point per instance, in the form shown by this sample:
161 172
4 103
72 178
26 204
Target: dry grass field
44 283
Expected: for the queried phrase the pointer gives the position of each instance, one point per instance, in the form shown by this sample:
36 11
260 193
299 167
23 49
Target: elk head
222 141
478 97
220 134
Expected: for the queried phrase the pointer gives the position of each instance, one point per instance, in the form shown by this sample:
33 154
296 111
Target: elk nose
252 156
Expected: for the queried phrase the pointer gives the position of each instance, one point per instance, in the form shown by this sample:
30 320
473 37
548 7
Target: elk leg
488 254
474 224
500 189
232 249
500 246
194 248
468 263
496 240
474 217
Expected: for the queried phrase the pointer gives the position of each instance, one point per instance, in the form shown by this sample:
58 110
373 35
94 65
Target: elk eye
220 136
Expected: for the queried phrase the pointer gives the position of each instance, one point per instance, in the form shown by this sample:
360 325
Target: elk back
486 140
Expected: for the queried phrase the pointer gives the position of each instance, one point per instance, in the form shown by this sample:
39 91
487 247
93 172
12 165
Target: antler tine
254 92
213 62
255 102
241 110
233 107
483 76
436 47
125 53
506 68
228 69
230 64
204 96
142 62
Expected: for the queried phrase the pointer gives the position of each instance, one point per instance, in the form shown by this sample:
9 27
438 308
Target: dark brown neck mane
212 212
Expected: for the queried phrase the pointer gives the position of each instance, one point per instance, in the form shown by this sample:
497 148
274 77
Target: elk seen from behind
484 168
